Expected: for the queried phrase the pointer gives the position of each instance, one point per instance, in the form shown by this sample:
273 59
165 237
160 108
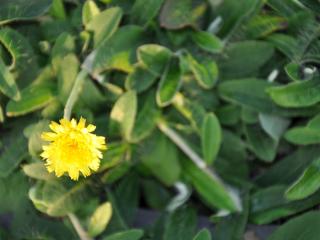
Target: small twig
77 226
73 97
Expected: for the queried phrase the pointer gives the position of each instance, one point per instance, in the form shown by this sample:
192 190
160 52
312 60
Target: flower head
73 148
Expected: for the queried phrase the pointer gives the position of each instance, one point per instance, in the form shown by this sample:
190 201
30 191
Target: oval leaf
205 73
307 184
104 24
89 10
7 83
100 219
297 94
154 57
32 99
169 84
12 10
207 41
146 119
133 234
210 138
124 112
140 79
305 227
143 11
210 189
303 136
37 171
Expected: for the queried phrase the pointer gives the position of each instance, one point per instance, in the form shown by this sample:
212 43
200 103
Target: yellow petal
72 149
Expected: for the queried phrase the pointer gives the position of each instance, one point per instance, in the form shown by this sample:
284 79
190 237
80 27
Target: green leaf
233 226
67 74
33 132
261 144
116 173
191 110
56 200
155 194
37 171
228 114
249 116
204 234
140 79
304 227
285 8
211 190
293 71
247 92
127 197
64 45
89 10
32 99
90 95
143 11
13 151
124 112
314 122
303 136
279 173
164 163
273 125
7 83
154 57
205 73
13 10
207 41
133 234
307 184
251 93
1 115
176 14
100 219
244 58
169 84
146 119
284 43
23 61
117 52
297 94
234 13
210 138
230 157
180 225
116 154
104 24
263 25
270 204
57 10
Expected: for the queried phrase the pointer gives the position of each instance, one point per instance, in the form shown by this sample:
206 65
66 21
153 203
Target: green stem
200 163
77 226
184 147
73 97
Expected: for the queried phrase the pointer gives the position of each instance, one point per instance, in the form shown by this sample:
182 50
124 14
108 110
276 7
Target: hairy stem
73 97
77 226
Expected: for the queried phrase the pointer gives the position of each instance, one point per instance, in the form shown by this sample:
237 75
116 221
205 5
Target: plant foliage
210 109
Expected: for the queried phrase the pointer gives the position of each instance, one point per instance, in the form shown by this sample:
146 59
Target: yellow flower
73 148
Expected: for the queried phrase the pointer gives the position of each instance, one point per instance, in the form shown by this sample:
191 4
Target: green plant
218 100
